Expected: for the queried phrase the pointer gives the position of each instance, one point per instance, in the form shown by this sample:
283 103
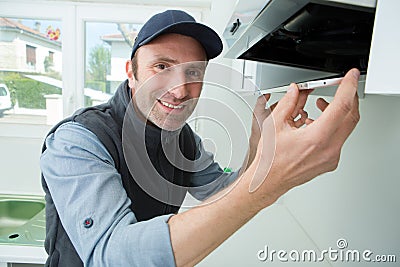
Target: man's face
168 80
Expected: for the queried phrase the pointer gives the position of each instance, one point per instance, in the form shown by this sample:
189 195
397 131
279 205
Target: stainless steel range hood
298 40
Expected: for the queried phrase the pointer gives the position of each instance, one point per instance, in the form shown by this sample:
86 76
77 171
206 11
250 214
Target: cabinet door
383 66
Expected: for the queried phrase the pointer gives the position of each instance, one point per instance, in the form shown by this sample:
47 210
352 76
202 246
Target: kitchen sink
22 220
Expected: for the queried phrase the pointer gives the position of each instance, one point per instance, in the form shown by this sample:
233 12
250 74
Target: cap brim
206 36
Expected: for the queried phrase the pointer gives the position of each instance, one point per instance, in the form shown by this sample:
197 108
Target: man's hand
301 154
260 114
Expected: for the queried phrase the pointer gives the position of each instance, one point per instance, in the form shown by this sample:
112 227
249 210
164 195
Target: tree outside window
98 68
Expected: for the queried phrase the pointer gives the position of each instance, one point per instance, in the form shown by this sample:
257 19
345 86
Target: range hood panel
319 36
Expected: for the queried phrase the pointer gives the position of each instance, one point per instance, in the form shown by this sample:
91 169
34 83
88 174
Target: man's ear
129 74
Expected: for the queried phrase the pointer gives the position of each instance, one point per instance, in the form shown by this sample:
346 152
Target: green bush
29 93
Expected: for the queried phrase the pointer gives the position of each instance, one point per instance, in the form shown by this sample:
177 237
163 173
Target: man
113 193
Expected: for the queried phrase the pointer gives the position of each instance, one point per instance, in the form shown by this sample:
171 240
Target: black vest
106 122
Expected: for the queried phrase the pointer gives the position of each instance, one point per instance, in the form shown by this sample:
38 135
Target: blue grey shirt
84 183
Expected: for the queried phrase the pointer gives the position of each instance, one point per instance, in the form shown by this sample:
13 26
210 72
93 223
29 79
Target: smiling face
168 79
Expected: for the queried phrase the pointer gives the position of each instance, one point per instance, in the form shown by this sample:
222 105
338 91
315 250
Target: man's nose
179 87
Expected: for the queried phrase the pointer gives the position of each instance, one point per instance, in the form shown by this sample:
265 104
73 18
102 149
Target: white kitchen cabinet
244 75
243 15
383 67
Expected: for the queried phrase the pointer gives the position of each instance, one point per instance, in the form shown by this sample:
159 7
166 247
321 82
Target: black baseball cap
177 21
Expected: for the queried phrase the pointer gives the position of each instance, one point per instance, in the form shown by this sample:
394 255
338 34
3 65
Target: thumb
287 104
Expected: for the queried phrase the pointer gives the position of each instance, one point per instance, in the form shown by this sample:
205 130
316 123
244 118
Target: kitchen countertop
22 254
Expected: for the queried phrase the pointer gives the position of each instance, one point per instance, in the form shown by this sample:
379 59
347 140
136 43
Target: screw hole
13 236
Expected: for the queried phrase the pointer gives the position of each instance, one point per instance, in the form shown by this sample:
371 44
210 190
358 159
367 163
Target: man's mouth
169 105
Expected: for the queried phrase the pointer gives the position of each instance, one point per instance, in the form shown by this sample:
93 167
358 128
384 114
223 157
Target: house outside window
31 68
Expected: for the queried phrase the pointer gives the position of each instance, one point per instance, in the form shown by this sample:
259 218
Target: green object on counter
227 169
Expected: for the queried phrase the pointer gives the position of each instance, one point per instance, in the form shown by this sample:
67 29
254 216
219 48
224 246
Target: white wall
20 146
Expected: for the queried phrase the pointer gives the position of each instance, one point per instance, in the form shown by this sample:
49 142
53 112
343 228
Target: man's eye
193 73
161 66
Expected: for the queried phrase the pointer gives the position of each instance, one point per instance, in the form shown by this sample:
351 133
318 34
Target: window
31 67
30 55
